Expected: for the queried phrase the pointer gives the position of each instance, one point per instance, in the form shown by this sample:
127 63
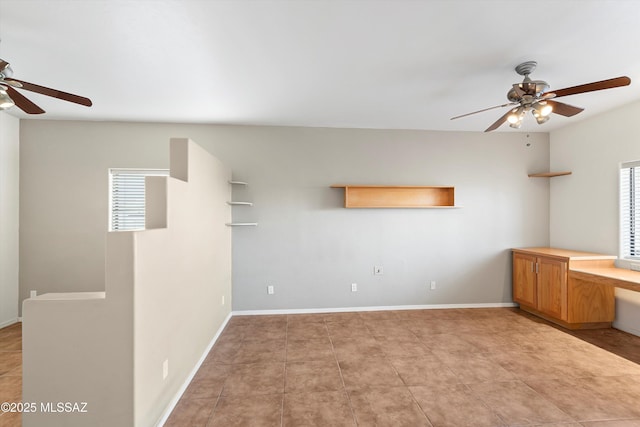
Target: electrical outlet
222 299
165 369
33 294
378 270
433 285
354 287
270 290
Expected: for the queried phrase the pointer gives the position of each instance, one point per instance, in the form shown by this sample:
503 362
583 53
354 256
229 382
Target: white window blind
630 210
127 196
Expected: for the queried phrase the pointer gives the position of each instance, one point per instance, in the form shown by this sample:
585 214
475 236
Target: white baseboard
194 371
10 322
374 308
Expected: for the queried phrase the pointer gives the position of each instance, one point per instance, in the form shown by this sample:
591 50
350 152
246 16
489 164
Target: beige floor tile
387 407
191 413
527 366
399 346
307 330
10 389
454 405
356 348
304 318
208 382
240 411
613 423
313 376
10 419
475 367
346 317
9 361
254 378
593 398
516 403
449 343
373 316
423 370
313 349
390 328
372 372
263 350
321 409
341 330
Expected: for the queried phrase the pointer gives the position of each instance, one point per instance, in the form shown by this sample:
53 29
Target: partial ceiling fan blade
590 87
22 102
498 122
486 109
564 109
55 93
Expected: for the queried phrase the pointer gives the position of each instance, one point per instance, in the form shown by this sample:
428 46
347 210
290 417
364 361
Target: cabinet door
552 287
524 280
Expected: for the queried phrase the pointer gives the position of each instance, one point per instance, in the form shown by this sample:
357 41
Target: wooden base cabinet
541 285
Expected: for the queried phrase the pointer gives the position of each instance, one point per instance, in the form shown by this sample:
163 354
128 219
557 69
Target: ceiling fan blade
590 87
55 93
486 109
564 109
498 122
22 102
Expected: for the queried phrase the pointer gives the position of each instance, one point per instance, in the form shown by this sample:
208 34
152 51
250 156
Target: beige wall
9 202
306 244
584 205
181 275
163 302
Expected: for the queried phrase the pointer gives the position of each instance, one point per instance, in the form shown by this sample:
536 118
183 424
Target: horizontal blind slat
128 197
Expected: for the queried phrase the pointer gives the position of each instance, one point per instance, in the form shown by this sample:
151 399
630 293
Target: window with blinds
630 209
126 201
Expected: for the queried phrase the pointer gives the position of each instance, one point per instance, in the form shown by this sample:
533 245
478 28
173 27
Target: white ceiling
394 64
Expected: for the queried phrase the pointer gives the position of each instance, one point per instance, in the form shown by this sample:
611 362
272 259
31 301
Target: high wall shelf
384 196
231 203
240 203
548 174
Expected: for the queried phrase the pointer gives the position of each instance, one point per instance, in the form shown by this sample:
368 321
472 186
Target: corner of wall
9 218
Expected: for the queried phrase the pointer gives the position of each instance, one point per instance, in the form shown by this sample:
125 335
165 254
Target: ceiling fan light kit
10 97
535 96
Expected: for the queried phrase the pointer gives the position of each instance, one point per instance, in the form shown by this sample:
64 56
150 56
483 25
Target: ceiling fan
534 96
9 96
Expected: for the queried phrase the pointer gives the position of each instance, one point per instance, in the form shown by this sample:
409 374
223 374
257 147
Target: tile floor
10 371
473 367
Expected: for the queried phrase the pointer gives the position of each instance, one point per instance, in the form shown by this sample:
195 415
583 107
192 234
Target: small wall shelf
380 196
548 174
240 224
240 203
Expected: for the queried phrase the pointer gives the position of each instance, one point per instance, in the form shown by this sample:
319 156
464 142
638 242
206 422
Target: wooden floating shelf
548 174
383 196
241 224
240 203
238 183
